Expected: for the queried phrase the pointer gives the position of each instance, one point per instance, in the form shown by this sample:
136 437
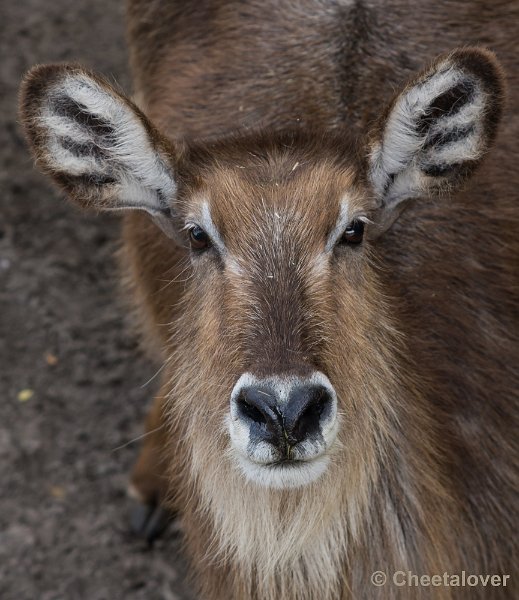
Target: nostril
307 408
314 411
250 411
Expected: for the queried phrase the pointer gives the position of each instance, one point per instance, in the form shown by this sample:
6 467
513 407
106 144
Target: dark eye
354 233
198 238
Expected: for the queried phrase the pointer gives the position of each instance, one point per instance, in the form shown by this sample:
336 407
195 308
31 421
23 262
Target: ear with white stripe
437 130
95 143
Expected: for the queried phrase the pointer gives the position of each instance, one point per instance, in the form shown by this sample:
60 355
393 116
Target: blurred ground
63 509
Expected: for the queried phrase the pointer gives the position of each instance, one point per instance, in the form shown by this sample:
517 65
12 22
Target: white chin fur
283 477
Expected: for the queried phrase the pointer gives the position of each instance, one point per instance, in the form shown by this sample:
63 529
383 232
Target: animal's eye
354 233
198 238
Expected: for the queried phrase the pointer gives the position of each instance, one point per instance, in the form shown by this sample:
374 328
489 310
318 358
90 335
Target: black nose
284 424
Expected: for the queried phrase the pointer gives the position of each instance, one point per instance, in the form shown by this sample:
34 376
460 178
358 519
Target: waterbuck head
285 348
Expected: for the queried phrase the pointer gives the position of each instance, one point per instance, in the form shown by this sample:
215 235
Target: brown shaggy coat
418 332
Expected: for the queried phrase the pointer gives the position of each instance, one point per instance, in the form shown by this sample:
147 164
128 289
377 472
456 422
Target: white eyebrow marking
340 225
205 221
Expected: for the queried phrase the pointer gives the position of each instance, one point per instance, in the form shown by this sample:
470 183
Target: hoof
149 521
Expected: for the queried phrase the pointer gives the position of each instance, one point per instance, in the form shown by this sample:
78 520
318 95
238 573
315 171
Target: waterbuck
333 301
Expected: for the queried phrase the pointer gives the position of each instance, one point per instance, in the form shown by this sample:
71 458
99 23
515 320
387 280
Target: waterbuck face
287 348
277 236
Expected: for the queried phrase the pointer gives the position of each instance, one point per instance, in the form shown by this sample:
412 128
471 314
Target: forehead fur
293 177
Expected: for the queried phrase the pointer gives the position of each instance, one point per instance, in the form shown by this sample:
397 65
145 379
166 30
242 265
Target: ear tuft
94 142
438 128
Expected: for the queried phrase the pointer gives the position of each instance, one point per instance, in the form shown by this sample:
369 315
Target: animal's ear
436 131
95 143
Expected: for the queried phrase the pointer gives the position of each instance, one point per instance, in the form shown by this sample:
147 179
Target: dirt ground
71 374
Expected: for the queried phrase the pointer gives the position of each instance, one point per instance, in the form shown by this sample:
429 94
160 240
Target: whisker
140 437
161 368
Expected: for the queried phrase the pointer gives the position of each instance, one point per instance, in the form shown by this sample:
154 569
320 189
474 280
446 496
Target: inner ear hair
94 142
435 132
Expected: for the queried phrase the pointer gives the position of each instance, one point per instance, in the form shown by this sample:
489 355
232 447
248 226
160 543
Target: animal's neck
321 541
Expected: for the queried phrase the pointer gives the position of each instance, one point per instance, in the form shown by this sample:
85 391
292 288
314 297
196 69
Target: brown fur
417 330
